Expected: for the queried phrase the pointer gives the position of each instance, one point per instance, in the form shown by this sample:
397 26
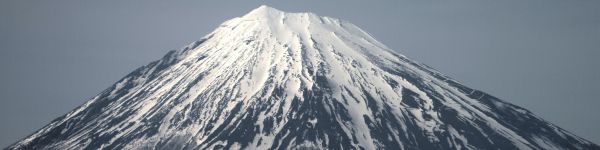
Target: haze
541 55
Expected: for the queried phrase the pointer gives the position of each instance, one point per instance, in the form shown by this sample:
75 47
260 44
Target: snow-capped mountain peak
277 80
263 11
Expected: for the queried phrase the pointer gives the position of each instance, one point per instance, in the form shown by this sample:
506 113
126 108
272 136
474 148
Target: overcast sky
538 54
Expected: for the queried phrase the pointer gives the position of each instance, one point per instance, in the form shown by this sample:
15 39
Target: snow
312 122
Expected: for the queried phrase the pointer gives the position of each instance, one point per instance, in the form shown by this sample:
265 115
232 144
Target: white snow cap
262 11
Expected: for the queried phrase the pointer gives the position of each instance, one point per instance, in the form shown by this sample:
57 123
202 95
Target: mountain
277 80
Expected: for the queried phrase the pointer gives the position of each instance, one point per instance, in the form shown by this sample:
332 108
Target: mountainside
277 80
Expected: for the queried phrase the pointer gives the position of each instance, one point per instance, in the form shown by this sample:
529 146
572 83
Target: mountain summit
277 80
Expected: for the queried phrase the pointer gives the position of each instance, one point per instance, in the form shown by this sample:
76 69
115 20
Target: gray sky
538 54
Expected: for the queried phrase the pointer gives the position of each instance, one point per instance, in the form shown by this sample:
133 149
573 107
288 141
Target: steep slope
276 80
